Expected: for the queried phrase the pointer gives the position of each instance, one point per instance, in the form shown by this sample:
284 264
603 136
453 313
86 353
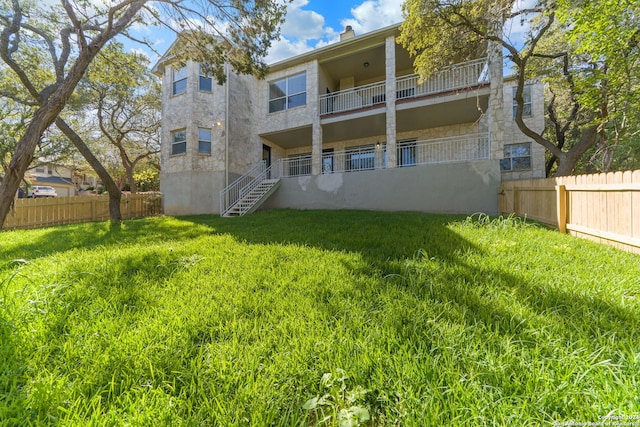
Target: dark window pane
277 105
505 164
179 86
297 100
204 147
206 84
521 163
179 148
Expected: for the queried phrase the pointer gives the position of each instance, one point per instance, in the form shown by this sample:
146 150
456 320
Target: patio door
327 161
266 156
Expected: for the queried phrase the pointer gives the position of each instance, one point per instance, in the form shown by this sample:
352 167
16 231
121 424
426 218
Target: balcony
457 77
455 149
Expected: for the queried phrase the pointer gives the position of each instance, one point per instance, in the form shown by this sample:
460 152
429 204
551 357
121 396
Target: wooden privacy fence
603 207
34 213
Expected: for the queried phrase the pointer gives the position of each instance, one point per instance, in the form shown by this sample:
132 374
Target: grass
316 318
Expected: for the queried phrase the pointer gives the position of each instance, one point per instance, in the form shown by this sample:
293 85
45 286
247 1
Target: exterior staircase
247 193
253 198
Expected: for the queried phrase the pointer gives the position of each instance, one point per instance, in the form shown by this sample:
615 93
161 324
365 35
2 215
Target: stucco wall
191 192
451 188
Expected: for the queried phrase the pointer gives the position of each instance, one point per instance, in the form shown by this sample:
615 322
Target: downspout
226 121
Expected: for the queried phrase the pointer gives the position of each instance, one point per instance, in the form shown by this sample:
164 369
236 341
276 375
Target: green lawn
316 317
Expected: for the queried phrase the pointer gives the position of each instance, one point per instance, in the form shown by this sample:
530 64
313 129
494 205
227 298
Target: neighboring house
346 126
56 176
65 180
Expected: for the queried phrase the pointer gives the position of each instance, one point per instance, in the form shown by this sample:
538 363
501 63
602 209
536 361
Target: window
288 93
204 141
179 81
40 170
179 142
517 157
205 83
360 158
407 153
526 107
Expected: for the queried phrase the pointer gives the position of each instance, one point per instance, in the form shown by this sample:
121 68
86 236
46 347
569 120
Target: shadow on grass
396 247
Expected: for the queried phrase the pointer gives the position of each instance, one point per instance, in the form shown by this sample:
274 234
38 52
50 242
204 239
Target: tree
125 97
554 49
66 38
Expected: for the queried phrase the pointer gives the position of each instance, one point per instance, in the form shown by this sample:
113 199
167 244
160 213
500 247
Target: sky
309 24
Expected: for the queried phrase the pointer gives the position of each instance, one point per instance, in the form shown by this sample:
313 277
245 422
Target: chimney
348 33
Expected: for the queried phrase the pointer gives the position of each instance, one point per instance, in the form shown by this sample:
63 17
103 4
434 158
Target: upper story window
179 81
204 141
205 84
527 106
179 142
288 93
517 157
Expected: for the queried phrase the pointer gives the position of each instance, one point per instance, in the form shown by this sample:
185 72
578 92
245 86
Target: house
66 181
349 125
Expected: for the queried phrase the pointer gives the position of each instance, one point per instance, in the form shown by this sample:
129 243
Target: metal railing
444 150
458 76
352 99
240 187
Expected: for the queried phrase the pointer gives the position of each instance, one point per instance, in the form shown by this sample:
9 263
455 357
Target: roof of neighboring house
56 180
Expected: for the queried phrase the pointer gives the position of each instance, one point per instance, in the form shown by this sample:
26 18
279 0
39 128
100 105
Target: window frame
174 82
527 96
287 96
202 141
204 77
509 158
175 143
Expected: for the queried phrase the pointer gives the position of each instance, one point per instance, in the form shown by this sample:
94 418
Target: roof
333 49
56 180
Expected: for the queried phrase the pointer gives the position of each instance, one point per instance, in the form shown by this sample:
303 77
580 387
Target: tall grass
305 318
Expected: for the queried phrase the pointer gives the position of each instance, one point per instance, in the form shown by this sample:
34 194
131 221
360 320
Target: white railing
458 76
296 166
444 150
353 99
240 187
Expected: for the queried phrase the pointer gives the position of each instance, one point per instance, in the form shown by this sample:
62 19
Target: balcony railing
409 153
353 99
455 77
459 76
444 150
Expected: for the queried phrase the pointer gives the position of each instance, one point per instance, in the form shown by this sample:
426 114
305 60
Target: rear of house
349 125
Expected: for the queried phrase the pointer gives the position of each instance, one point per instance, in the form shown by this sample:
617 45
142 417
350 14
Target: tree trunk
132 183
24 155
112 188
567 160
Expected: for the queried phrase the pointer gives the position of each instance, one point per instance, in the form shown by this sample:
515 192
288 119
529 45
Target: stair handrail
272 172
233 192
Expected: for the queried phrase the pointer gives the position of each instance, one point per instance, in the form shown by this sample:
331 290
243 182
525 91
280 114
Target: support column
496 96
316 147
390 66
313 86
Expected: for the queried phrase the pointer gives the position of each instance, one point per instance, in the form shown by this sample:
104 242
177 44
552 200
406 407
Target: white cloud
302 24
374 14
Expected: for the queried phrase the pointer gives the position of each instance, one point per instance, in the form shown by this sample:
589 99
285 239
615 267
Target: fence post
561 202
93 210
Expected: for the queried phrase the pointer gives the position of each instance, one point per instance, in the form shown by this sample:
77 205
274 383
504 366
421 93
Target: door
266 156
327 161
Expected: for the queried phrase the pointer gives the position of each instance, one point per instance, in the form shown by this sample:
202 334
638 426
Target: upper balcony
463 76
